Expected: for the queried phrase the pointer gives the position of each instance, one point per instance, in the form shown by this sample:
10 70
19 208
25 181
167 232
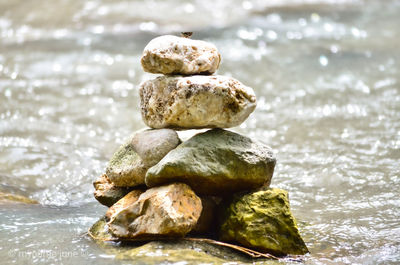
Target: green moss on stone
123 157
125 168
262 220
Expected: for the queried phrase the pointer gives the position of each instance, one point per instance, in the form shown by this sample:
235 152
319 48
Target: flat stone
169 211
124 202
195 102
106 192
263 221
129 164
216 162
176 55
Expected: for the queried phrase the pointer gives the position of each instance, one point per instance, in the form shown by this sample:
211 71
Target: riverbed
327 79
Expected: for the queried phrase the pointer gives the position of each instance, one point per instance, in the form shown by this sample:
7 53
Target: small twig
250 252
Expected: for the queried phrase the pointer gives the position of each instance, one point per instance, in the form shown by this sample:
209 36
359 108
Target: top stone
177 55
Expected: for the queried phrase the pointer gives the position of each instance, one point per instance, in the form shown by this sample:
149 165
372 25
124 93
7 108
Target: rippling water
327 81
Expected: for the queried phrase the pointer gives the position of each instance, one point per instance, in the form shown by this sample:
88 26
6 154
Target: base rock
263 221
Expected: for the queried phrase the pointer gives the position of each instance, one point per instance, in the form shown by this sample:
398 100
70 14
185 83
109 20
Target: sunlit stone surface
177 55
124 202
165 211
195 102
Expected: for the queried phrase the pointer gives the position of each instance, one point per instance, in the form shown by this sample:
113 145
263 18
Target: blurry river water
327 78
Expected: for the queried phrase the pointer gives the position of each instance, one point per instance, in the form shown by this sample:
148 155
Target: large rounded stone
195 102
216 162
128 166
263 221
107 193
161 212
176 55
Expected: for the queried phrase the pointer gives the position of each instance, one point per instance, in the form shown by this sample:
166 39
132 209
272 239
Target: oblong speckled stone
198 101
176 55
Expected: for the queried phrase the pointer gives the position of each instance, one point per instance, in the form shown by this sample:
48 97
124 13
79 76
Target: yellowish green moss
262 220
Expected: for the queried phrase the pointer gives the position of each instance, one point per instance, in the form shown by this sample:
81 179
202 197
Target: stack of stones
214 184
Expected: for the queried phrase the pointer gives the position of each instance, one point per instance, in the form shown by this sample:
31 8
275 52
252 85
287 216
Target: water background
326 74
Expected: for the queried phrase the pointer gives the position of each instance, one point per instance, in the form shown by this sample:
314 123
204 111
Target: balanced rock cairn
214 184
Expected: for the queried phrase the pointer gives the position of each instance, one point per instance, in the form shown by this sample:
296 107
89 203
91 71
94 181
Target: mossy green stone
216 162
263 221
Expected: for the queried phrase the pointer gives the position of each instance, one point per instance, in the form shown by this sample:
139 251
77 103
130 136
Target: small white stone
198 101
177 55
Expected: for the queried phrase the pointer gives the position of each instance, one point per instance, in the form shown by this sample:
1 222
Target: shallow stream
326 74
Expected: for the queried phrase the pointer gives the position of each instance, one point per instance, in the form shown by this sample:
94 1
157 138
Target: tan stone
161 212
195 102
127 200
176 55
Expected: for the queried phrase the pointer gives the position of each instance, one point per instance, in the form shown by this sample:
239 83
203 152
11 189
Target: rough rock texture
106 192
166 211
195 102
262 220
128 166
176 55
127 200
216 162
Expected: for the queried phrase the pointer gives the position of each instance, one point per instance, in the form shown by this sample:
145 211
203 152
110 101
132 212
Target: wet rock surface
176 55
216 162
195 102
